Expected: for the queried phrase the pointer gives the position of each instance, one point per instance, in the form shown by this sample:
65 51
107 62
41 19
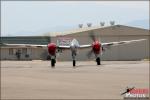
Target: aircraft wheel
53 63
98 60
74 63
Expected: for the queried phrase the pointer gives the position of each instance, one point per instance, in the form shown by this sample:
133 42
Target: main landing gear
53 61
98 60
74 63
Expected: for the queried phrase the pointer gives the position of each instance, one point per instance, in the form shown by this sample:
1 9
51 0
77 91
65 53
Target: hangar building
133 51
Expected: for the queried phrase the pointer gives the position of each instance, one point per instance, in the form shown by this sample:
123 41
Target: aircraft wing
63 47
80 47
108 45
85 46
23 45
31 45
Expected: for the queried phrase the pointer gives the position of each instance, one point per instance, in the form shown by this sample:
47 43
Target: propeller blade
89 54
92 36
47 39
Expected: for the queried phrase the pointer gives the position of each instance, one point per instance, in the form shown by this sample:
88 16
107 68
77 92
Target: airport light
112 23
80 25
89 24
102 23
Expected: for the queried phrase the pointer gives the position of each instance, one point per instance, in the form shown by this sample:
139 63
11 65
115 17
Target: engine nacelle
96 47
52 49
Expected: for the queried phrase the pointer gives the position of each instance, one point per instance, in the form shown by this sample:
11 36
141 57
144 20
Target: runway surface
37 80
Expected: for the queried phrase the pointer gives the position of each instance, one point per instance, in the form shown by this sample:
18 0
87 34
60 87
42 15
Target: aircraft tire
98 60
52 63
74 63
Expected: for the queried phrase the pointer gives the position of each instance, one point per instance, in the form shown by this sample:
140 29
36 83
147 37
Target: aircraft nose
72 45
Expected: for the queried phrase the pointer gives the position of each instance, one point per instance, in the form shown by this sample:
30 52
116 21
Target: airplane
128 90
97 48
53 49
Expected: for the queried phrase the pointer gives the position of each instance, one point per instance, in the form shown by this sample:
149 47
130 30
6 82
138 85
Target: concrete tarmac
37 80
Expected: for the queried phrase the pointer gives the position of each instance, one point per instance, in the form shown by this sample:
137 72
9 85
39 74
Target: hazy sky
35 17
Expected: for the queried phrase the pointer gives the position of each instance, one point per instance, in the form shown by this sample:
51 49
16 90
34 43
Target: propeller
89 53
93 38
46 39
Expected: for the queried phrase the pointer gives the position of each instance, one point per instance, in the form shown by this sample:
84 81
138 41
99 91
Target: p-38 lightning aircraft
96 48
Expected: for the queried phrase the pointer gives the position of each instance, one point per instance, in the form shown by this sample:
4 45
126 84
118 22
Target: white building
133 51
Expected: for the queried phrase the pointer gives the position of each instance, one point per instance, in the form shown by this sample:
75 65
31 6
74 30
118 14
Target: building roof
26 39
84 29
